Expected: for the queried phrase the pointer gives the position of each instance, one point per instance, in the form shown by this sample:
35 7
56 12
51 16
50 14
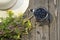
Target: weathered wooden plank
56 15
53 11
58 18
43 30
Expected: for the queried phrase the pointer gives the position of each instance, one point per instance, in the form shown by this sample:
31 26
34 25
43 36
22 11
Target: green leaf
10 13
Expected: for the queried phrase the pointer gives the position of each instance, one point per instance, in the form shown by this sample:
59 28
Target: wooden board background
46 32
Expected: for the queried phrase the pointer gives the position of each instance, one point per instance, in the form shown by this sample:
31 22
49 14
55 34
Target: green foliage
15 23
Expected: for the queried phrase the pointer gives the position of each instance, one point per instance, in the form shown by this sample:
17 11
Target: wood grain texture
53 27
42 30
58 18
45 32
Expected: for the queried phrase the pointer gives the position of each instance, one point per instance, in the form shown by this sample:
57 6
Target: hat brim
18 8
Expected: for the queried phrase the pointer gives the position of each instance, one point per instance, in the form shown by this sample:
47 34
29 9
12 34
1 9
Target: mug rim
7 5
5 2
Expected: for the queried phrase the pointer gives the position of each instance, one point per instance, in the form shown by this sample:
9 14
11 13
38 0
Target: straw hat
15 5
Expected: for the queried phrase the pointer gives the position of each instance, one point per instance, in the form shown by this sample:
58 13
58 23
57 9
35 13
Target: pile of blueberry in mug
40 13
